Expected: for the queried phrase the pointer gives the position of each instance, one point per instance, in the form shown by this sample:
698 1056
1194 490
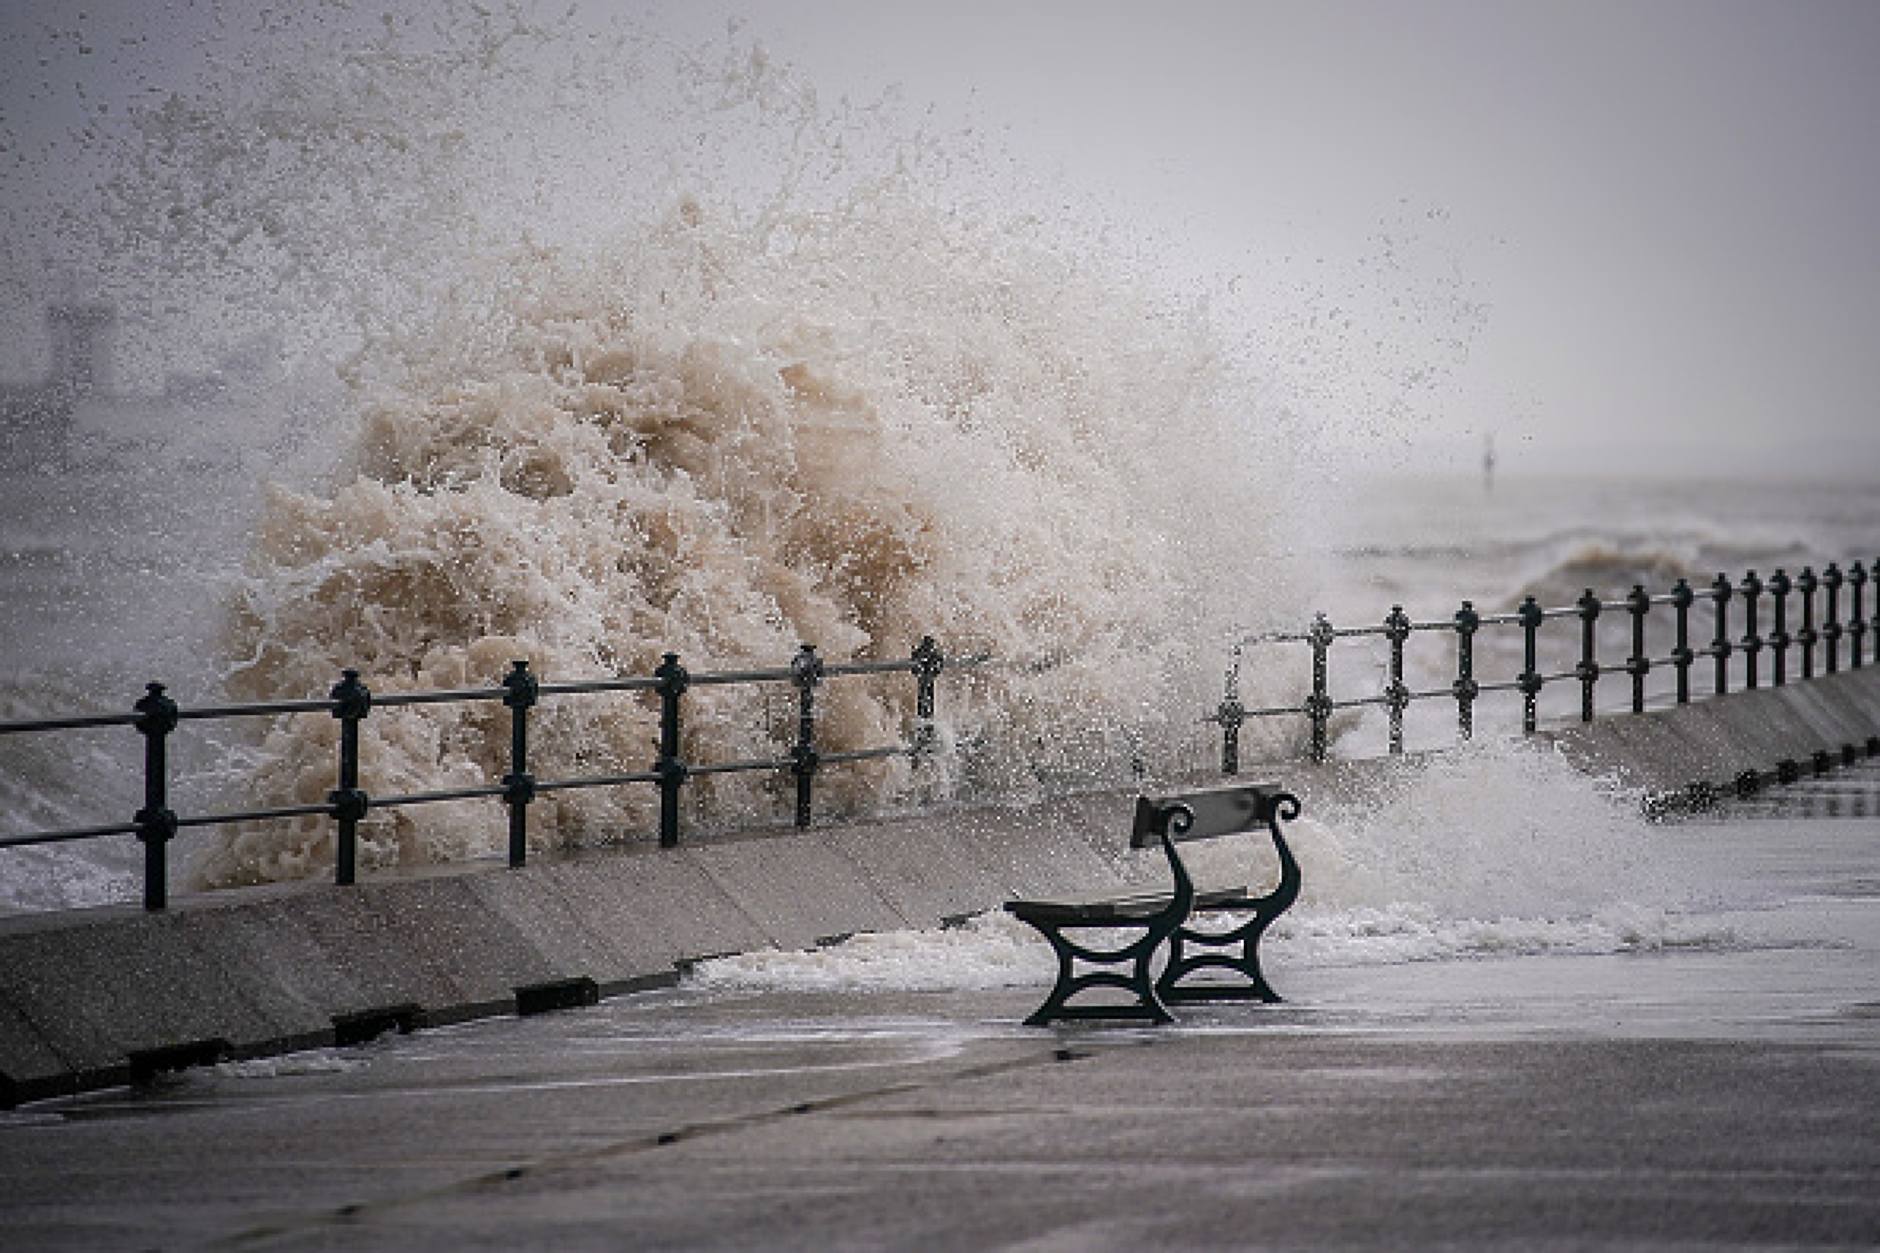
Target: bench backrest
1217 811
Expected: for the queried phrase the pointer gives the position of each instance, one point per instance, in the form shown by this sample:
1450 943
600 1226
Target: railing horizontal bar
596 780
255 815
1272 637
440 698
1016 665
1443 624
574 687
743 676
1510 685
736 767
869 667
1444 692
1278 711
201 712
59 837
866 754
70 724
1275 711
450 794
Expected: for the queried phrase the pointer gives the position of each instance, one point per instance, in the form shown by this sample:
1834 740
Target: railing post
806 671
1831 579
928 663
1587 671
520 694
1396 695
1857 622
1465 686
673 681
1319 703
1873 625
1531 615
1720 643
156 822
1682 597
1638 665
1779 586
1806 637
1230 714
1752 643
352 701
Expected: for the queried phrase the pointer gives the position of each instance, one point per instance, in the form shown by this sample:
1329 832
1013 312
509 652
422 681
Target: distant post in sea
1488 462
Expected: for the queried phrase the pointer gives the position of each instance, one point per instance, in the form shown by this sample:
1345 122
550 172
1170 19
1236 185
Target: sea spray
592 346
1492 850
1503 827
700 441
815 398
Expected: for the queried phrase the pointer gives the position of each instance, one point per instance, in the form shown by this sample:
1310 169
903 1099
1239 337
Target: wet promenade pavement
1725 1095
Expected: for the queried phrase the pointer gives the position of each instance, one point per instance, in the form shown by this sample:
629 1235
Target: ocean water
678 357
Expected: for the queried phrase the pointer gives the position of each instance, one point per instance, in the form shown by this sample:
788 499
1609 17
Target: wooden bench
1166 917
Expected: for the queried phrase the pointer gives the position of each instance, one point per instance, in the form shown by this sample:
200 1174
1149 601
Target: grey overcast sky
1667 210
1670 208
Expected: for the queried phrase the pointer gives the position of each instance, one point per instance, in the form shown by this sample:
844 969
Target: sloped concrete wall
97 997
1709 746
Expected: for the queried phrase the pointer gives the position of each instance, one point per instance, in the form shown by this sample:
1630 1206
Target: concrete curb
100 997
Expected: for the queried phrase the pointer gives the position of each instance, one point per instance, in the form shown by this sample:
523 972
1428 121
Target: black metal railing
156 716
1545 661
1819 638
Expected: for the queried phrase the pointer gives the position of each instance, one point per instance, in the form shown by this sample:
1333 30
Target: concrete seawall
1682 755
100 997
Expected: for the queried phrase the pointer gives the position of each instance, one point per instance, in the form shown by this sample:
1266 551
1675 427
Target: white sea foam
995 950
1499 851
311 1062
991 950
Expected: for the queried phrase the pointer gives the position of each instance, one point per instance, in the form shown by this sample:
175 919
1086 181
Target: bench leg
1265 909
1138 982
1183 961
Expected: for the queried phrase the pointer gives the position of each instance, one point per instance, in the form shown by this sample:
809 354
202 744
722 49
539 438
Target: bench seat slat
1091 913
1122 908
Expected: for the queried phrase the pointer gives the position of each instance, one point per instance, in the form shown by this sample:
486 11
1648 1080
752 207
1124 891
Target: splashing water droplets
597 349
